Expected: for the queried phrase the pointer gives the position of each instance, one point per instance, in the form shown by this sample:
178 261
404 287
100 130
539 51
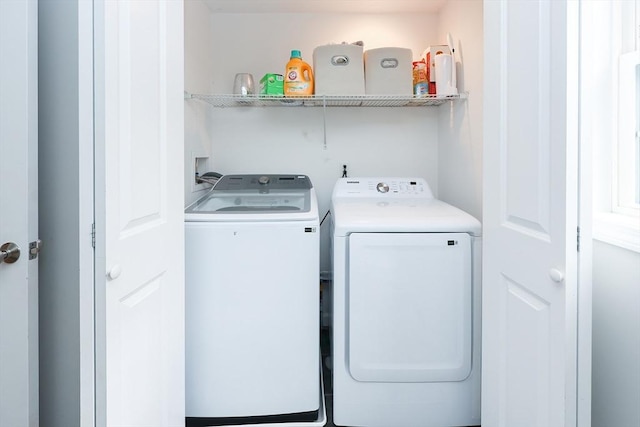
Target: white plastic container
388 71
429 56
338 69
445 75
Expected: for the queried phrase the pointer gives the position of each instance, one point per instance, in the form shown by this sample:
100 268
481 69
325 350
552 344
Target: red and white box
429 56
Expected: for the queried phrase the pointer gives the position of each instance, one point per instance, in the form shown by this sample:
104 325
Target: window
610 116
627 184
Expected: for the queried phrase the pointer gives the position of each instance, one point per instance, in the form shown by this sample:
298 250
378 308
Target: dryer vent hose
209 178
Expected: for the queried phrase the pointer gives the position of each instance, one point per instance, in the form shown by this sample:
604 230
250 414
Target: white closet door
139 154
530 214
18 212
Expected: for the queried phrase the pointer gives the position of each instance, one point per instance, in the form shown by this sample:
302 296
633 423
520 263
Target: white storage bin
338 69
388 71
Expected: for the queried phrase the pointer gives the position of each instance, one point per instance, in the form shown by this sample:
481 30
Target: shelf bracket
324 122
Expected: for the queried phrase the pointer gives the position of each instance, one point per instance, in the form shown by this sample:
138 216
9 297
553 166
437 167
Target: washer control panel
400 187
382 187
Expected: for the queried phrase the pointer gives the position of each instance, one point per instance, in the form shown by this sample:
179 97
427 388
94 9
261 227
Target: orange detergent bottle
298 78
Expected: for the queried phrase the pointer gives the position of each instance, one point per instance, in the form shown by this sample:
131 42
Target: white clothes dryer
252 303
407 299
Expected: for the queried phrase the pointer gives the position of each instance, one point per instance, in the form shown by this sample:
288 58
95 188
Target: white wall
261 43
460 127
616 336
198 71
443 144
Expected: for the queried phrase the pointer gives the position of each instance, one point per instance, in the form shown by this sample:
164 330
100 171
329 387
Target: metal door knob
556 275
9 253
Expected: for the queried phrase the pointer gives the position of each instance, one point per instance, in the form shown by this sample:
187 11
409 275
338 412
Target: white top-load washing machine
252 302
406 337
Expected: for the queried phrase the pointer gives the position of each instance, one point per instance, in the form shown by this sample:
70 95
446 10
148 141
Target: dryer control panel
383 187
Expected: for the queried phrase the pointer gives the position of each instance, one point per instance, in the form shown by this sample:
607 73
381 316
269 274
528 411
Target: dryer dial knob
382 187
263 180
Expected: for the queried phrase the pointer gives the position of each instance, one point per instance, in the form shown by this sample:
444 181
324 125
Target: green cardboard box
272 85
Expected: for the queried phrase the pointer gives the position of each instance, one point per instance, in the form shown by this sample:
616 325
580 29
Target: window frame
616 216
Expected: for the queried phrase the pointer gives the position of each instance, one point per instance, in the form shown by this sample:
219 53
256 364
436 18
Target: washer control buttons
382 187
392 188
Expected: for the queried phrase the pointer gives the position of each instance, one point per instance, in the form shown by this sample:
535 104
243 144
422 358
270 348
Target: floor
329 411
325 351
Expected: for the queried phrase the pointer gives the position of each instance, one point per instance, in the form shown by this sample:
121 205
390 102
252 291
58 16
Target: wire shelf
228 101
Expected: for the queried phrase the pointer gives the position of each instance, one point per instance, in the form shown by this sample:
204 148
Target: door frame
579 54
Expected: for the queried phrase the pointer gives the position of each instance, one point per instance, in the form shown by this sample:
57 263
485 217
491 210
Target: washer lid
242 197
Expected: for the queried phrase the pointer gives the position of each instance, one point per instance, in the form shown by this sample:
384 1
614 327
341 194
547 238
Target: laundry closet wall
460 127
370 141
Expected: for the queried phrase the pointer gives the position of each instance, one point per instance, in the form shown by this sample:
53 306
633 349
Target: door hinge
34 248
578 240
93 235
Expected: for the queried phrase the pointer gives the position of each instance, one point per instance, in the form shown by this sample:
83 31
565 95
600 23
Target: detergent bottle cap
295 54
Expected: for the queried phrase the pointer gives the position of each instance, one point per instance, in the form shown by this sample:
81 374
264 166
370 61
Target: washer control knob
382 187
264 180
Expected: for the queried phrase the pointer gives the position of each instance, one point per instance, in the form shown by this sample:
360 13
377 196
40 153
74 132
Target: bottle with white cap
298 78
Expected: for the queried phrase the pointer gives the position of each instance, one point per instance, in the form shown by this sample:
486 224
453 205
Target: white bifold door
139 219
531 364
